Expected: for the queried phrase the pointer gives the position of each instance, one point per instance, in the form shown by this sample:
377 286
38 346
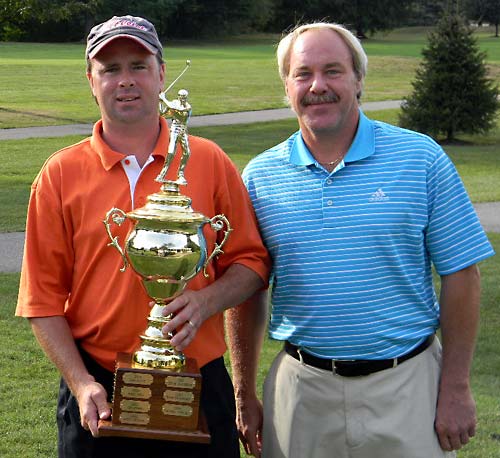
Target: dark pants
216 400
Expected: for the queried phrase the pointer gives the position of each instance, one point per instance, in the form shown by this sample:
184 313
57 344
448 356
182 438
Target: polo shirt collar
362 146
109 157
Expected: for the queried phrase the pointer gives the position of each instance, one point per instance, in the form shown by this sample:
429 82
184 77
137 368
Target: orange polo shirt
69 269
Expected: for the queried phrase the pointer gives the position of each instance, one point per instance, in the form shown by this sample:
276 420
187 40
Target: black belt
354 368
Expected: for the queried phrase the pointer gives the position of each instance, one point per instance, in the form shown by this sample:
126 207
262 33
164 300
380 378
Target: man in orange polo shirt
82 309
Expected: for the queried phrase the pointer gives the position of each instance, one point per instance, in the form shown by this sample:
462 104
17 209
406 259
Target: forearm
193 307
459 303
455 421
56 340
246 325
236 285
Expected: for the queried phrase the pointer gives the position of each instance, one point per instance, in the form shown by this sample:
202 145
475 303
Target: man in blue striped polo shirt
355 213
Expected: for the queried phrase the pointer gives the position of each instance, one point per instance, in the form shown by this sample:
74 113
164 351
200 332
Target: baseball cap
132 27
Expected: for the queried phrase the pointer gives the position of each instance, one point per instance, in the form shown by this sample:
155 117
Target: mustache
311 99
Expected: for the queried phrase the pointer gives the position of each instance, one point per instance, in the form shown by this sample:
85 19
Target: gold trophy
156 392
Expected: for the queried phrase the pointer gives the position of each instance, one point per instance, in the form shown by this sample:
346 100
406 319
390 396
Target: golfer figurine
180 111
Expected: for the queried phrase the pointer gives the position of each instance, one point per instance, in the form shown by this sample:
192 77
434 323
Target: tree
212 18
36 18
71 20
426 12
485 11
451 92
363 16
159 12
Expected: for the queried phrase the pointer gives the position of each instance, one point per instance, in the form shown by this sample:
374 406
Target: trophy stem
156 351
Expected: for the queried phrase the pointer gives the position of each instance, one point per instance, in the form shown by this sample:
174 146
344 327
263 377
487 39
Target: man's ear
91 82
162 76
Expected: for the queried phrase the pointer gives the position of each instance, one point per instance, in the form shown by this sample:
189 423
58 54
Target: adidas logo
378 196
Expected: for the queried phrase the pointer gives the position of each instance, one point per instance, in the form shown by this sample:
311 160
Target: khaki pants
312 413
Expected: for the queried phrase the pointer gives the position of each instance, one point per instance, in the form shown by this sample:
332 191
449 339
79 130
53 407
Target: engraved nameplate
177 410
131 418
136 378
136 392
180 382
178 396
131 405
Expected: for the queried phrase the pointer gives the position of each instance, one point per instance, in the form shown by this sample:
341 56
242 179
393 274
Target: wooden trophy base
202 436
151 403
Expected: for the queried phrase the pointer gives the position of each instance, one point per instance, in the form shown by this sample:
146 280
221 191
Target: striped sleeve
454 236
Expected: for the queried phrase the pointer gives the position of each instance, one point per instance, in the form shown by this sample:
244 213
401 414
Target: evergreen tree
452 92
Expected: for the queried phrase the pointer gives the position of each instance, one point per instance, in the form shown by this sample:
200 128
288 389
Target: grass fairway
476 158
45 84
29 383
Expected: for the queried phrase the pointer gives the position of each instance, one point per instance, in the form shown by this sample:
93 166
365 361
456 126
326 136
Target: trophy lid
168 206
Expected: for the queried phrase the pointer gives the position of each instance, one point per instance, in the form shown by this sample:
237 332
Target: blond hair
359 58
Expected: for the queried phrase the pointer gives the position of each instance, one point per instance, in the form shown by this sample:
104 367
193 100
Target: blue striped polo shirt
352 250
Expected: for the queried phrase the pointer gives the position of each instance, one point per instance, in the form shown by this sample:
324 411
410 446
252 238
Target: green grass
408 42
21 160
29 383
477 161
45 84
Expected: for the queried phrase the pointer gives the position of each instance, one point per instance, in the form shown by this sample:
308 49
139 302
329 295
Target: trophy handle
118 217
217 223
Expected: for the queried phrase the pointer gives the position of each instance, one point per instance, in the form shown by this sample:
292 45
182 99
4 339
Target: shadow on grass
41 115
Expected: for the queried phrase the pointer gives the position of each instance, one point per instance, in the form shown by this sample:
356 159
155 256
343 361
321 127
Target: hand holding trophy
157 389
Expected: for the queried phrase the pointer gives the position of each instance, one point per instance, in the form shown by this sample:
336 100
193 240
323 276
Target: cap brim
148 47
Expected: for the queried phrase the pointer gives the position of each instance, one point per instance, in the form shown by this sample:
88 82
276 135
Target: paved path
11 244
244 117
